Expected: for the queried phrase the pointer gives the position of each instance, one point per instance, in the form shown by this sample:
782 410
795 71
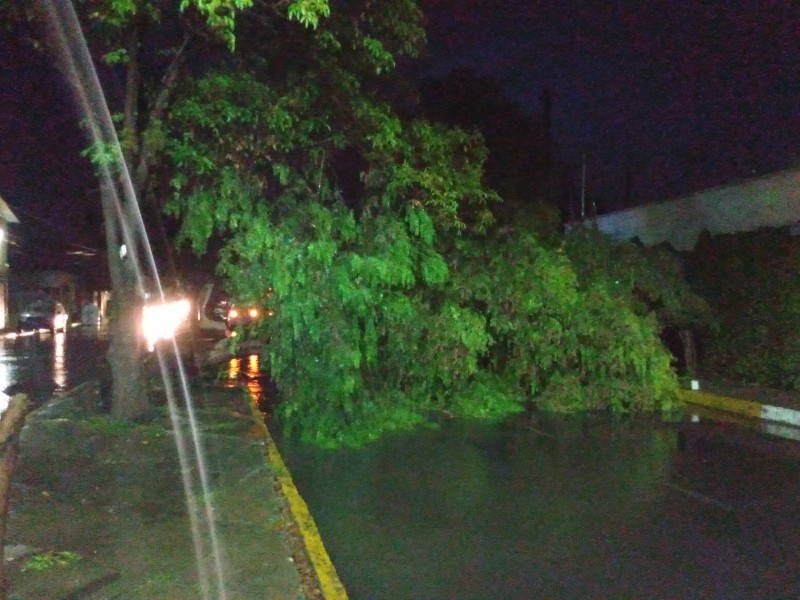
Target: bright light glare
59 365
161 321
60 321
77 63
253 312
6 380
234 366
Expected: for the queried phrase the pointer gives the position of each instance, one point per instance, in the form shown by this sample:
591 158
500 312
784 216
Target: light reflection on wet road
44 364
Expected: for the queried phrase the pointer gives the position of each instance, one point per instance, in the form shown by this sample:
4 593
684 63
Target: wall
768 201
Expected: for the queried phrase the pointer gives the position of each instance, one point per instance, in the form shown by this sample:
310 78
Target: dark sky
683 94
43 178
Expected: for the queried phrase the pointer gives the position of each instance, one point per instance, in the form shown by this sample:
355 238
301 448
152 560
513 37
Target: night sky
43 177
682 95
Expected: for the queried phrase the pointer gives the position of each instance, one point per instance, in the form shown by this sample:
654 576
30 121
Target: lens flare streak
121 210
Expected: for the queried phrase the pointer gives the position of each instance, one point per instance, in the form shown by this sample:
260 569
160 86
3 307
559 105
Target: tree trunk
10 425
128 396
123 225
129 399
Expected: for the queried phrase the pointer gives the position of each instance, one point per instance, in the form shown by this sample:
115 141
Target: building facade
6 218
767 201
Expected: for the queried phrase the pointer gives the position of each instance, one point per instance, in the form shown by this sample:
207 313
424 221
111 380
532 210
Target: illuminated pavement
110 494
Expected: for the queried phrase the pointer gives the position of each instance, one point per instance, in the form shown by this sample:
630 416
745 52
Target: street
44 364
558 507
542 506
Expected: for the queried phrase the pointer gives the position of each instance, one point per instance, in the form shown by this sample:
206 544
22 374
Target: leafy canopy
750 281
368 234
219 15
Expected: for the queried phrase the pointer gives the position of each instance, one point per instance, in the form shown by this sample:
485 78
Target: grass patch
223 428
108 426
44 561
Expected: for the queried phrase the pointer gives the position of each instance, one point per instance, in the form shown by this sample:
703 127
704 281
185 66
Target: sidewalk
106 499
777 411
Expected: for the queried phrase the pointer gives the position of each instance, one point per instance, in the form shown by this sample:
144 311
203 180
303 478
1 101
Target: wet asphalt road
536 507
558 508
45 364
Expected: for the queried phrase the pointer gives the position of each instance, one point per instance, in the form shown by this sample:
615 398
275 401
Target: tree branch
132 82
168 84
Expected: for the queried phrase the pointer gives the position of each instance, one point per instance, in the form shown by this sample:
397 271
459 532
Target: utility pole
583 188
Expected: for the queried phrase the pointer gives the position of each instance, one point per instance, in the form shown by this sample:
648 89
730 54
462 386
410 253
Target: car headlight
161 321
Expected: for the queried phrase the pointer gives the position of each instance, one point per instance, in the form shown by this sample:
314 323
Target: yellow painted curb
734 405
332 588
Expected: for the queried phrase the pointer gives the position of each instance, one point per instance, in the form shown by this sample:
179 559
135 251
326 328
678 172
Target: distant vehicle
243 316
212 308
216 310
246 315
163 318
43 314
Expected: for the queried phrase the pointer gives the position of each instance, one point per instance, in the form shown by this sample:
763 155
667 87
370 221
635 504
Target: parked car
43 314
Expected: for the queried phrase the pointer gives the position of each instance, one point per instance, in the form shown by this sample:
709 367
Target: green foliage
487 396
308 12
370 232
114 13
116 56
45 561
220 15
118 427
651 278
750 280
564 345
521 164
383 58
105 154
352 304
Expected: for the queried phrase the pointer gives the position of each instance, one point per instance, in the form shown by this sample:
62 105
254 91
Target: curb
778 420
331 586
72 395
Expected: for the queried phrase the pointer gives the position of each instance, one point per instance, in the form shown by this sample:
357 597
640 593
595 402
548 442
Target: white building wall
768 201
